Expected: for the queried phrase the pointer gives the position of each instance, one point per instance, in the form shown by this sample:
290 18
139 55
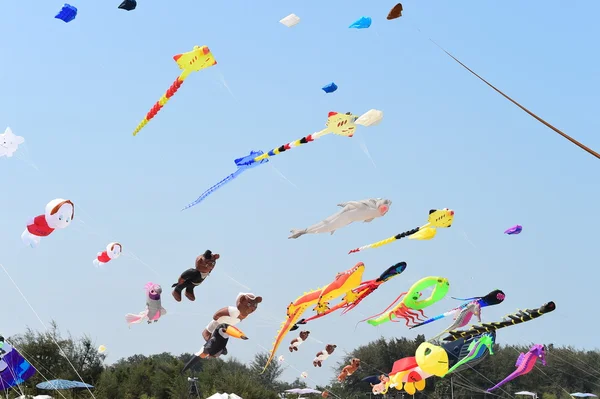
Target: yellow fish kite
437 218
197 59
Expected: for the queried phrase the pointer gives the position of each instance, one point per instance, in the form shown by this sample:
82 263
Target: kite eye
427 352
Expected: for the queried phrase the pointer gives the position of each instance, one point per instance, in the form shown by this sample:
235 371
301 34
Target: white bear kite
113 251
59 214
9 143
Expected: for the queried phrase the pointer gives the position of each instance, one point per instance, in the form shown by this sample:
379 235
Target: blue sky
76 91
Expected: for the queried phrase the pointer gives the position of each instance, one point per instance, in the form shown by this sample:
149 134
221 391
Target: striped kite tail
386 241
159 104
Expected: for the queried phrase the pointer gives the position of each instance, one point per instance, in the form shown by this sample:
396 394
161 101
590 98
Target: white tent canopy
224 396
584 395
527 393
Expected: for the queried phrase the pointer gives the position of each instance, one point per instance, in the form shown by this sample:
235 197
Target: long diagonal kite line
571 139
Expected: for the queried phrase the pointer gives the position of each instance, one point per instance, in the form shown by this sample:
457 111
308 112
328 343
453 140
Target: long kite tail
214 188
386 241
438 317
291 144
511 377
160 103
566 136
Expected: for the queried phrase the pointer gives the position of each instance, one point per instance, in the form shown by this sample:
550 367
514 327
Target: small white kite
290 20
9 143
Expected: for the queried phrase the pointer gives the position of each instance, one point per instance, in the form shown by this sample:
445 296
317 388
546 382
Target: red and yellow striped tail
159 104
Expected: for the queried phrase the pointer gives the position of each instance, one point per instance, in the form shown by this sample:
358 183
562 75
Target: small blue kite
67 13
362 23
330 88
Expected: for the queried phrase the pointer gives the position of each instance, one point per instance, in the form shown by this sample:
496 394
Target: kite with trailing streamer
412 303
442 218
343 284
521 316
338 124
193 61
358 294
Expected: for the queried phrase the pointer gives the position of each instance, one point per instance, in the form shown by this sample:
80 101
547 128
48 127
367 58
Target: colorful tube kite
338 124
14 369
193 61
412 302
437 218
516 318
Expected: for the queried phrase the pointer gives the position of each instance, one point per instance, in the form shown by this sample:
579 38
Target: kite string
542 121
43 324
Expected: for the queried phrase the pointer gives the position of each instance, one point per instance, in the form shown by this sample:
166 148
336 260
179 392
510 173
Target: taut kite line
571 139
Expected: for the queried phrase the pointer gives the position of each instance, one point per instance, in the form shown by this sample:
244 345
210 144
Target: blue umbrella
63 384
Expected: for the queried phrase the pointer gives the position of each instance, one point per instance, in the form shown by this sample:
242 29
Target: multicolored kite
196 60
437 218
338 124
14 369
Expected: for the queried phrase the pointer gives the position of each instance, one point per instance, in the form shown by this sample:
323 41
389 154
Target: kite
395 12
191 278
281 359
514 230
344 282
525 363
356 295
349 369
411 302
193 61
352 211
128 5
67 13
304 374
410 373
516 318
442 218
493 298
361 23
154 309
296 342
370 118
113 251
58 214
245 305
381 388
330 88
14 369
216 345
470 352
566 136
101 349
338 124
290 20
323 355
9 143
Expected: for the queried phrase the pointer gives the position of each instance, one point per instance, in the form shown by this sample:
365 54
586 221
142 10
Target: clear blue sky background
76 91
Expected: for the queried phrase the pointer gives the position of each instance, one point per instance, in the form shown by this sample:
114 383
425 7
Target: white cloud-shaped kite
9 143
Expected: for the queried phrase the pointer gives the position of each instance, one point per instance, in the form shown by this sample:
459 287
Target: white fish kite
353 211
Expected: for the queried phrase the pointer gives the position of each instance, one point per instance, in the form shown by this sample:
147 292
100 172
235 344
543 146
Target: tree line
158 376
